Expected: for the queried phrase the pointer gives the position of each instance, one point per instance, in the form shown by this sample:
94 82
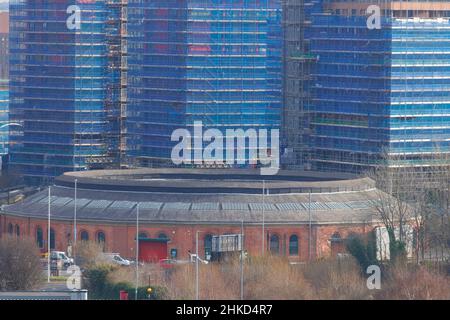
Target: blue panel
213 61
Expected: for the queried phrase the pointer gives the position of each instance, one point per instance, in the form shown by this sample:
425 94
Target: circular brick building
301 215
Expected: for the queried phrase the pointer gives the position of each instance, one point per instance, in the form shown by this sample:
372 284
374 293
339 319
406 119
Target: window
143 235
337 244
52 239
162 235
39 237
84 235
207 244
293 245
336 237
10 229
101 238
274 244
17 231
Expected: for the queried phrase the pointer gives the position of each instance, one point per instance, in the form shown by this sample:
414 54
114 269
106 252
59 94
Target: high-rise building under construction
4 118
65 85
382 84
214 61
346 92
170 62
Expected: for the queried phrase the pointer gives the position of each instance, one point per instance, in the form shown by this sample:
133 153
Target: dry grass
275 279
337 280
416 283
89 254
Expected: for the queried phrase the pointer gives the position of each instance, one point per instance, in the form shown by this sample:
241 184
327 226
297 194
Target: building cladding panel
58 86
380 91
219 62
4 47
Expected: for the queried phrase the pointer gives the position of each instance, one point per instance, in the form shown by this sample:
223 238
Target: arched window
336 237
162 235
293 245
10 229
143 235
207 244
84 235
17 230
101 238
337 244
39 237
52 239
274 244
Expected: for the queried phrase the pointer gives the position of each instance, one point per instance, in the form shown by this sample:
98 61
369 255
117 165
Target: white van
117 259
61 256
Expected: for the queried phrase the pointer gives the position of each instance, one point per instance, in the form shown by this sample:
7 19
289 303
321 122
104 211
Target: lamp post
242 255
48 234
197 259
196 267
137 252
263 218
75 220
310 229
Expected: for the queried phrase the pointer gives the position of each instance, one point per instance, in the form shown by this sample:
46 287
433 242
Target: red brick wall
120 238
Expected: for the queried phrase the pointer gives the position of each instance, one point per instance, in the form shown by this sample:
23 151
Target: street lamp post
310 229
48 234
137 252
75 220
263 218
242 255
196 267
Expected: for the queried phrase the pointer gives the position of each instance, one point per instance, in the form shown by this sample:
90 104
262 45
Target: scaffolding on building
68 87
380 92
116 96
297 79
218 62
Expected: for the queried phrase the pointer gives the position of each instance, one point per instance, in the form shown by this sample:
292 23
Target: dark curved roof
174 196
213 181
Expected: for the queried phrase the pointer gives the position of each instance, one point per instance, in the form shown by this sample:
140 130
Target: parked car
170 263
117 259
193 258
61 256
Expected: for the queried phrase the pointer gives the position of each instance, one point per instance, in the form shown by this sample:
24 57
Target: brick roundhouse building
305 214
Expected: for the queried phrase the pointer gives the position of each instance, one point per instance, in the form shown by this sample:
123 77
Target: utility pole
196 267
48 233
137 253
242 256
75 221
310 228
263 218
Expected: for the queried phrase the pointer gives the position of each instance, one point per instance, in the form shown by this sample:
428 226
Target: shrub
89 254
101 287
96 281
363 250
20 265
414 283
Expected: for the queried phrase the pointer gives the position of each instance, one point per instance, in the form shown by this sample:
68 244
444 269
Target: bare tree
417 195
438 223
89 254
390 190
20 265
